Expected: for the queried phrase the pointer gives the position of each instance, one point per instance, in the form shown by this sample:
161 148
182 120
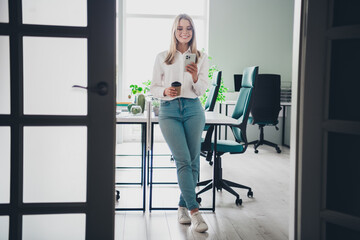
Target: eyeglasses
186 30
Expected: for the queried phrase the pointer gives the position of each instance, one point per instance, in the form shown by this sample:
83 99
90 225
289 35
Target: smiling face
184 32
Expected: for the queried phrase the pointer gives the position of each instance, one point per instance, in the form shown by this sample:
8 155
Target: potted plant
136 89
139 94
156 106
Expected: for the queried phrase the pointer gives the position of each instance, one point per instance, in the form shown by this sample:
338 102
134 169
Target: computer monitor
237 82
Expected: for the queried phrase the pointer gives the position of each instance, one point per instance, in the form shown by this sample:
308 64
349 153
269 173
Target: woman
182 118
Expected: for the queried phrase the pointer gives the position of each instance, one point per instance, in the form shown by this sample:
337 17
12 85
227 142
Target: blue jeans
182 121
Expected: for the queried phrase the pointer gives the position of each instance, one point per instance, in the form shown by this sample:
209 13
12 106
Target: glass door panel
4 73
54 227
4 227
51 67
55 12
4 165
4 11
55 164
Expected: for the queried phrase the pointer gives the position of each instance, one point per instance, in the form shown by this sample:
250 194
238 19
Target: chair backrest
213 92
244 102
266 105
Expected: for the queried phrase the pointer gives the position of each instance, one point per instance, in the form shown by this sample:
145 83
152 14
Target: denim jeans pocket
164 103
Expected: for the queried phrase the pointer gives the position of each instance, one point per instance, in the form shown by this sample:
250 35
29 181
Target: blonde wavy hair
192 44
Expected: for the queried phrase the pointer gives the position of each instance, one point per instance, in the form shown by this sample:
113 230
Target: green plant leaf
222 89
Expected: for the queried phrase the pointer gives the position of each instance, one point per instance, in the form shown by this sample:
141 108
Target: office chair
210 105
241 113
213 91
266 107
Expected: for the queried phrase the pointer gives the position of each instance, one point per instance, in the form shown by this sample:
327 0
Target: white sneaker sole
201 230
184 221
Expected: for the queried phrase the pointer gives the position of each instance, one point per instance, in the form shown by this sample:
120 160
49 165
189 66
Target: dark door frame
100 32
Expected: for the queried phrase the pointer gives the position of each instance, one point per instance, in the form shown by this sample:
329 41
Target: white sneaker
183 215
198 222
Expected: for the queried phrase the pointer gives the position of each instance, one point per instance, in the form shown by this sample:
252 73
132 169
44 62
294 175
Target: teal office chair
210 105
241 113
213 91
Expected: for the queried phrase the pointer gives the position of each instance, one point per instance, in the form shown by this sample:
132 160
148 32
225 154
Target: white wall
245 33
251 32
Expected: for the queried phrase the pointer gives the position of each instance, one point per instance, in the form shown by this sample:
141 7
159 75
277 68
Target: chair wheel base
250 194
278 150
256 151
238 201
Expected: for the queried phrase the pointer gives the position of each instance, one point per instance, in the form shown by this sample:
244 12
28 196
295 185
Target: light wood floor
263 217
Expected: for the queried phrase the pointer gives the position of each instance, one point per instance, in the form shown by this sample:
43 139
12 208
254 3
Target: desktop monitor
237 82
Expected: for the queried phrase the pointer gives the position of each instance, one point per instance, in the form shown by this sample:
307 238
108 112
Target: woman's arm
202 82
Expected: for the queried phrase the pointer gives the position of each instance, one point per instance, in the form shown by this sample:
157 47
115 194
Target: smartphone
189 58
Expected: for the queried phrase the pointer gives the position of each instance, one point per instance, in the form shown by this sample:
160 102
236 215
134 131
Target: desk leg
220 110
143 170
283 127
151 164
214 168
226 113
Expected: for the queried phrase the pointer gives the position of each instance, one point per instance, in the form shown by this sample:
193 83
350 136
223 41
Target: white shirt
164 75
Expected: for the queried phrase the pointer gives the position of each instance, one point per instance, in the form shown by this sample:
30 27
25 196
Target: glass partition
55 164
4 74
54 227
4 165
55 12
4 11
51 67
4 227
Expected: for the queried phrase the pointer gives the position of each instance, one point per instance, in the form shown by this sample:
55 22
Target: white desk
283 104
211 118
147 120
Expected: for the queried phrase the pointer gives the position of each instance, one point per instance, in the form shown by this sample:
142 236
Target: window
146 31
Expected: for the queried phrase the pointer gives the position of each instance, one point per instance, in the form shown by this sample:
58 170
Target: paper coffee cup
177 86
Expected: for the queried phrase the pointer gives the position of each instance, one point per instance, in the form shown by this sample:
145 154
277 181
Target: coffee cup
177 86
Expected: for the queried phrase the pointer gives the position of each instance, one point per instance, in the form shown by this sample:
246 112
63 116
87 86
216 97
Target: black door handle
78 86
101 88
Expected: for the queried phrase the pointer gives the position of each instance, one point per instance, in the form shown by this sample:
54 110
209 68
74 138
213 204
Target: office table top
210 118
233 102
126 117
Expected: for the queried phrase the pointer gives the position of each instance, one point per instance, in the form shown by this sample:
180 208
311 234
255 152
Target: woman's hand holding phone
193 70
190 66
